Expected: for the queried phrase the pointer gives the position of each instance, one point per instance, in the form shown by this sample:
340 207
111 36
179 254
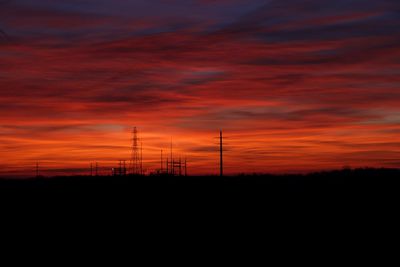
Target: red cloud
286 105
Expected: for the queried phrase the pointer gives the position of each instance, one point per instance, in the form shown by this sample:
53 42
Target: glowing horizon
296 85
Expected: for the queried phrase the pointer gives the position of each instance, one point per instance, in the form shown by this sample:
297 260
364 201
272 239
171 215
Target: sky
296 85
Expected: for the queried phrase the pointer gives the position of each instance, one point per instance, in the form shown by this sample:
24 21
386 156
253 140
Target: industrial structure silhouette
169 166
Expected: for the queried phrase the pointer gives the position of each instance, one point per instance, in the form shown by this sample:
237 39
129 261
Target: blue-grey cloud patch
294 20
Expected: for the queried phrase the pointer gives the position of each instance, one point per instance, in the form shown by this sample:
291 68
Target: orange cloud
293 91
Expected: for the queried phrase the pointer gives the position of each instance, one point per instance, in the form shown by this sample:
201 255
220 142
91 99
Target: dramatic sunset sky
296 85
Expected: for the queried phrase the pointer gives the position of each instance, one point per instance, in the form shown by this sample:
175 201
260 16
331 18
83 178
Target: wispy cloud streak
297 85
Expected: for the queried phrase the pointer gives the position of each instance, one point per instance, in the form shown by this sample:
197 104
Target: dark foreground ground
348 206
361 185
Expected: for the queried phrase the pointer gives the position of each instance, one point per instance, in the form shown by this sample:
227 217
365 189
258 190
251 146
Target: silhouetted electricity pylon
135 166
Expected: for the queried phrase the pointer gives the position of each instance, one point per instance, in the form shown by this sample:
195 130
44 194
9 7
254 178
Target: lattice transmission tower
135 162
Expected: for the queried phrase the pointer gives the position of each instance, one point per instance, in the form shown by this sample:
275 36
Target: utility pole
221 163
97 169
91 169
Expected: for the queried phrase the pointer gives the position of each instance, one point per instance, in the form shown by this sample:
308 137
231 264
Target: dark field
335 186
332 203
